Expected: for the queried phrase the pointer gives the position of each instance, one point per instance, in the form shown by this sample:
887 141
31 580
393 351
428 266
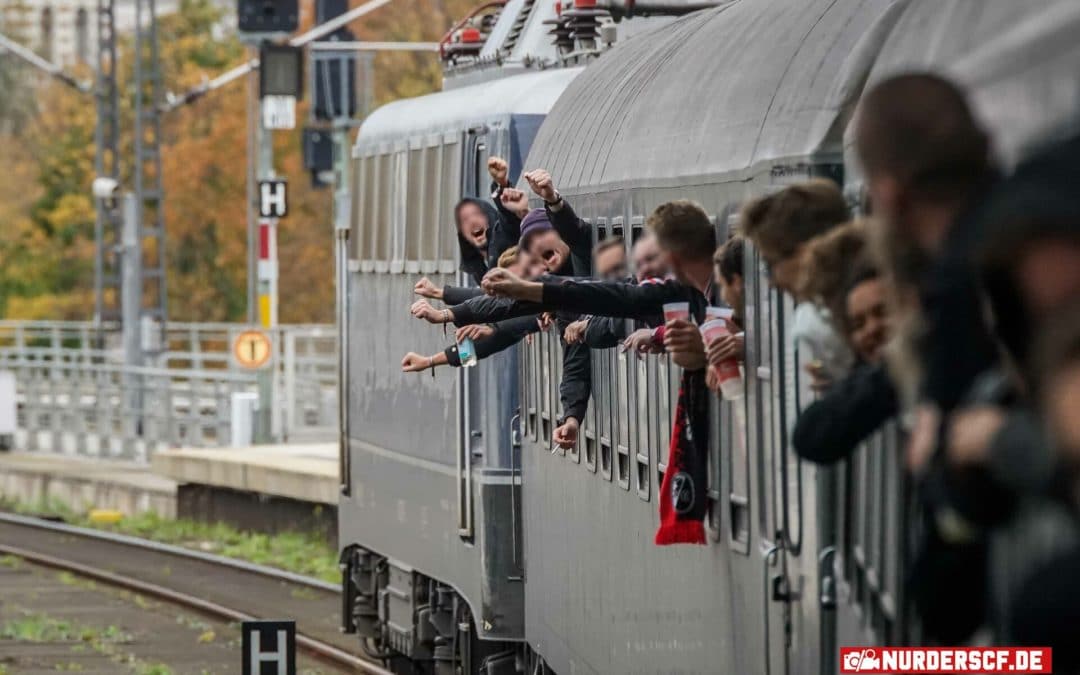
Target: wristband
558 199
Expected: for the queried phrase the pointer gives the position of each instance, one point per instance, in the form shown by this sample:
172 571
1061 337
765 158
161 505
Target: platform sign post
269 647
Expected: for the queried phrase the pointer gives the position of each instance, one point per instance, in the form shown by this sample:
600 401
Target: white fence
75 394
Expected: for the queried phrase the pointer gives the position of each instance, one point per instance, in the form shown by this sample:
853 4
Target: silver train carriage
718 106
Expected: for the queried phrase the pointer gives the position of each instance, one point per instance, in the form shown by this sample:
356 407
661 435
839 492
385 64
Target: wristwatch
558 198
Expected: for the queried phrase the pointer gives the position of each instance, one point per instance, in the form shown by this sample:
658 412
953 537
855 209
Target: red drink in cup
676 310
727 371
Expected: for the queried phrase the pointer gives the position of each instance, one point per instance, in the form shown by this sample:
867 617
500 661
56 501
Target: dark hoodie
502 232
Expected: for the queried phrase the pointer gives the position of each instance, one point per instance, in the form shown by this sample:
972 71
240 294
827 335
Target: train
467 545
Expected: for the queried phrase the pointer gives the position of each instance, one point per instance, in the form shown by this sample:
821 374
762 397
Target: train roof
720 92
457 109
1017 60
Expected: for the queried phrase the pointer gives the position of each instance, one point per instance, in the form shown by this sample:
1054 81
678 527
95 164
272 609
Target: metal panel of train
445 547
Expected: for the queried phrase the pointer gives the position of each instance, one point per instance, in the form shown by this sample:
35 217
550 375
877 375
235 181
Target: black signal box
267 16
281 71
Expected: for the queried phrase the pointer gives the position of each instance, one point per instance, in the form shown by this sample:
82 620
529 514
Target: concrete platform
304 472
84 483
270 488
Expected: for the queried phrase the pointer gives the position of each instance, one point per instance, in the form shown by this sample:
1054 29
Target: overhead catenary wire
174 101
39 62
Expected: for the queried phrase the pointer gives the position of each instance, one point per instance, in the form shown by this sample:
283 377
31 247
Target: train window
617 226
450 179
601 228
623 428
417 196
592 426
358 242
433 198
546 416
380 215
644 426
733 419
397 207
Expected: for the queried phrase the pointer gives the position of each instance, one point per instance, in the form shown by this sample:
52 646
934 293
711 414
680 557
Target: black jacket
455 295
504 229
576 385
957 345
507 334
833 426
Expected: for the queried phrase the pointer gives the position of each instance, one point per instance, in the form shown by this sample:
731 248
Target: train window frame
428 262
642 444
380 225
415 201
450 179
622 422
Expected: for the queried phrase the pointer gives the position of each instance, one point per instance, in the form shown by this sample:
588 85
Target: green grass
44 628
299 552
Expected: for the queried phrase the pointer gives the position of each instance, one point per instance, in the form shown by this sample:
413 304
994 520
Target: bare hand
575 332
545 321
474 331
725 347
565 436
499 169
515 200
415 363
425 288
970 432
819 379
422 309
540 182
682 340
712 380
641 342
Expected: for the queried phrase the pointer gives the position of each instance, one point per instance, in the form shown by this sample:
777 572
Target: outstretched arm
601 298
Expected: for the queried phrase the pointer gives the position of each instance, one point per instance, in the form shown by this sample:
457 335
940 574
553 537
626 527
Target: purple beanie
534 222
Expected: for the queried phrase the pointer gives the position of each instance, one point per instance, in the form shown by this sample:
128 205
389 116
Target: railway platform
263 488
84 483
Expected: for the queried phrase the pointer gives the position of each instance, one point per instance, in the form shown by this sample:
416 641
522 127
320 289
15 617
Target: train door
470 442
763 411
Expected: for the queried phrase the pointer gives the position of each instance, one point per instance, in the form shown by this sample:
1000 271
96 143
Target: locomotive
469 547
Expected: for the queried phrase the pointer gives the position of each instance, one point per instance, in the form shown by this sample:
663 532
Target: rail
228 589
76 395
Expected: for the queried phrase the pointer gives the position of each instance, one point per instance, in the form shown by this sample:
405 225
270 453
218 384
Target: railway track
224 588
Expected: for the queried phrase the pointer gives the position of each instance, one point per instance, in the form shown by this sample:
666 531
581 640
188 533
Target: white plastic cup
727 371
674 311
719 313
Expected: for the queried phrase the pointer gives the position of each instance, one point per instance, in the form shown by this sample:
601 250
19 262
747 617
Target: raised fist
425 288
415 363
540 182
499 170
422 309
515 200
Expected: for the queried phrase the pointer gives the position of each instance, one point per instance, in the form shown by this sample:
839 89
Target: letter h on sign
272 202
269 647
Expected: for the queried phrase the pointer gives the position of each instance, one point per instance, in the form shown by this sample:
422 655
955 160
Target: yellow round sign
252 349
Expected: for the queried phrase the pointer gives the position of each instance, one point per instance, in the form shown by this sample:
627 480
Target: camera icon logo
862 661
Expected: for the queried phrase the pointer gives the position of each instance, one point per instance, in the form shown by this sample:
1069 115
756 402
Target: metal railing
76 395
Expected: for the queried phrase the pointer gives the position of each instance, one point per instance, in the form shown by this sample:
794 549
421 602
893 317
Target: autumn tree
47 214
